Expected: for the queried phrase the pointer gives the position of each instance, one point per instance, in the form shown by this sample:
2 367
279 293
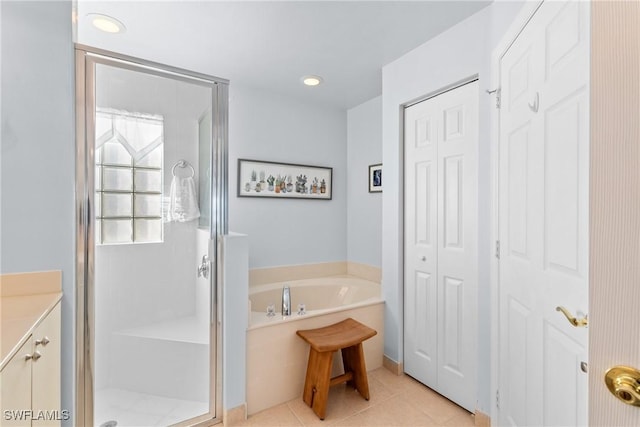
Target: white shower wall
142 284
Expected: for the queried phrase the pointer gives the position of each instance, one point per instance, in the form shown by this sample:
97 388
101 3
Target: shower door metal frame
86 60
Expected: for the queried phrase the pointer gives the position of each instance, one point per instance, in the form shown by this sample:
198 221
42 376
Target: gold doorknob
578 323
624 383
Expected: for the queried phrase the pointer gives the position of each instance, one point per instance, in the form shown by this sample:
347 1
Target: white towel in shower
183 200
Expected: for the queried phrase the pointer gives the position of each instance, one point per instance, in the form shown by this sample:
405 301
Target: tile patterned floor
395 401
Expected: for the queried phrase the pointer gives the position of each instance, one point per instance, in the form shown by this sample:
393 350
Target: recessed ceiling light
312 80
106 23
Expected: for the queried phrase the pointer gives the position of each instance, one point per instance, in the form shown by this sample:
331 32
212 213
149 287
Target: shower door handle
203 269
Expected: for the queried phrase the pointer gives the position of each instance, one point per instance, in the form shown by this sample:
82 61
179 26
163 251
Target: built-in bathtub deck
259 319
274 351
320 296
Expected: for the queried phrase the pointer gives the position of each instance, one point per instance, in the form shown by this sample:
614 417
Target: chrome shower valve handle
204 267
534 104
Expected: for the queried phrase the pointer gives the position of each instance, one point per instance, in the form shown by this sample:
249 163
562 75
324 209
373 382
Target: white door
441 152
543 218
615 205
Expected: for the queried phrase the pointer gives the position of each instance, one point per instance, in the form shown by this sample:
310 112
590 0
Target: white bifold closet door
441 243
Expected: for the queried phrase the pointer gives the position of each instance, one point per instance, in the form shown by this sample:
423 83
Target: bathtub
277 357
320 296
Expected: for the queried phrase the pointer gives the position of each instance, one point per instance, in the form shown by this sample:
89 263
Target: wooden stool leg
353 360
310 379
322 383
348 366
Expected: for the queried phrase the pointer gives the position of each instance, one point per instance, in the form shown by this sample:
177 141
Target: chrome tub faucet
286 301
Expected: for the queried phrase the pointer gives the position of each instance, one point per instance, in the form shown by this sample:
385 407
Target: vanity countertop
25 299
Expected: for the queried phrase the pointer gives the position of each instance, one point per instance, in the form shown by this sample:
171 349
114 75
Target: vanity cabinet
15 380
45 372
30 381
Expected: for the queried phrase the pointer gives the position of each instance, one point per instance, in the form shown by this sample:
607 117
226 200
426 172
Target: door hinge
498 399
498 97
498 249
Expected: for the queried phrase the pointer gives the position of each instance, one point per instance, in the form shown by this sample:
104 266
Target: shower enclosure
151 205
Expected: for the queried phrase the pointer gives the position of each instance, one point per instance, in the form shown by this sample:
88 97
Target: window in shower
129 159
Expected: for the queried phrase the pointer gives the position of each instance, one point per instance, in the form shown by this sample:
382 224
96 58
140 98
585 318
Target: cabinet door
15 385
46 371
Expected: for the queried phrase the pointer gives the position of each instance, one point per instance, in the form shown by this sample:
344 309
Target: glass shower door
154 346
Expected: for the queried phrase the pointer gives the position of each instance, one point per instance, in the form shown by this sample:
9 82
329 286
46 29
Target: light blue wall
461 52
268 126
364 209
38 153
235 321
37 211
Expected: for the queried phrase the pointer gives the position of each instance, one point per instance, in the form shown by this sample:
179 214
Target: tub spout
286 301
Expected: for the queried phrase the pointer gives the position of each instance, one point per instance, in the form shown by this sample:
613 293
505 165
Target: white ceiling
272 44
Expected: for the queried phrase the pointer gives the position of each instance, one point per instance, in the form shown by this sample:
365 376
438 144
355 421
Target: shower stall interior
151 167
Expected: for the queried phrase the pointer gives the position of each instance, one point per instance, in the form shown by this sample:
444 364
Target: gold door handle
578 323
624 383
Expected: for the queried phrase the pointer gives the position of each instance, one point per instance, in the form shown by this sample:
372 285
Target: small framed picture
375 178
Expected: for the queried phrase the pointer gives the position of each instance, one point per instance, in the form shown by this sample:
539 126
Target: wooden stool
346 336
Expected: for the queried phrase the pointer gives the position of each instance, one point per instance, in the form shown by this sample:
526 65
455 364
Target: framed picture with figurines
257 178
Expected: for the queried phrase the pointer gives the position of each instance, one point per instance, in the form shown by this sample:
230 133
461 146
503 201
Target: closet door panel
457 244
441 136
453 203
420 293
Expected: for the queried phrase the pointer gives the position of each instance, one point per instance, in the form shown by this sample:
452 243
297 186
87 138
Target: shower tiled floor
132 409
395 401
